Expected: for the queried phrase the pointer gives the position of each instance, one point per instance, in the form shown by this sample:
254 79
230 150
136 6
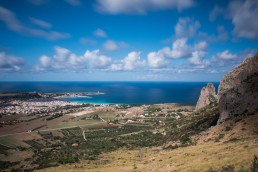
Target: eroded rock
238 90
208 95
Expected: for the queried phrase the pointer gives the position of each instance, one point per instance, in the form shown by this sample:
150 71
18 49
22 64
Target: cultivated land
162 137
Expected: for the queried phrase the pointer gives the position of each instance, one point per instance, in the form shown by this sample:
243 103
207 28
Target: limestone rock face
208 95
238 90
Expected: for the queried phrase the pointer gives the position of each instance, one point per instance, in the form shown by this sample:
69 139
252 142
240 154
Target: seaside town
42 104
48 106
37 105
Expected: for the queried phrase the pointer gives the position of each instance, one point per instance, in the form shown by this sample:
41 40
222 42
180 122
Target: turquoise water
118 92
94 100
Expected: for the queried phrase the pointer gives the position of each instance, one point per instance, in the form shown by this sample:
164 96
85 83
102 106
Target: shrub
229 168
228 128
254 167
217 139
185 140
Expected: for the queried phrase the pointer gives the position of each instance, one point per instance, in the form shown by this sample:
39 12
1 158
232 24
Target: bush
228 128
217 139
185 140
228 168
254 167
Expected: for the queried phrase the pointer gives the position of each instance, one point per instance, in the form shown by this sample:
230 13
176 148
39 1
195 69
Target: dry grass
80 113
237 147
15 156
236 128
193 158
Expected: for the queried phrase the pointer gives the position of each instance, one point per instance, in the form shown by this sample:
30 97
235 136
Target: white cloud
9 18
41 2
198 54
243 55
140 6
63 59
61 54
74 2
157 60
228 59
175 70
195 53
244 16
212 71
88 41
247 53
96 60
45 61
186 27
202 45
179 49
116 67
225 55
40 23
221 35
9 63
215 12
189 28
197 59
110 45
100 33
150 77
131 62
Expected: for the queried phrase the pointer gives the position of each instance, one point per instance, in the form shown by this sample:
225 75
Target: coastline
115 92
73 97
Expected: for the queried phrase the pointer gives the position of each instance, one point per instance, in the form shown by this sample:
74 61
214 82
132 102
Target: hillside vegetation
191 143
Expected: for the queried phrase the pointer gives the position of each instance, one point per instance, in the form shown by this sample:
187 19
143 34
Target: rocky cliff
208 95
238 90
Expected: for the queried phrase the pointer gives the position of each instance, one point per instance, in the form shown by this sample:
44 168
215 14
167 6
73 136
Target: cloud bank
12 23
140 6
9 63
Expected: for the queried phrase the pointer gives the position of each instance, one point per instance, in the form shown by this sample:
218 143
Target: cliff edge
238 90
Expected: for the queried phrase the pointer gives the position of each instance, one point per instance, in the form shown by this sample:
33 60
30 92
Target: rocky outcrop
238 90
208 95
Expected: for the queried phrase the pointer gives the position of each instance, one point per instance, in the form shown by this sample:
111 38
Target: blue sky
129 40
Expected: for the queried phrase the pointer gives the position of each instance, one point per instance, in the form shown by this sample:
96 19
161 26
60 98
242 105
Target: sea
117 92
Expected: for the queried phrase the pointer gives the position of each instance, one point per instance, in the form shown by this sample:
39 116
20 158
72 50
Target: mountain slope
238 90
